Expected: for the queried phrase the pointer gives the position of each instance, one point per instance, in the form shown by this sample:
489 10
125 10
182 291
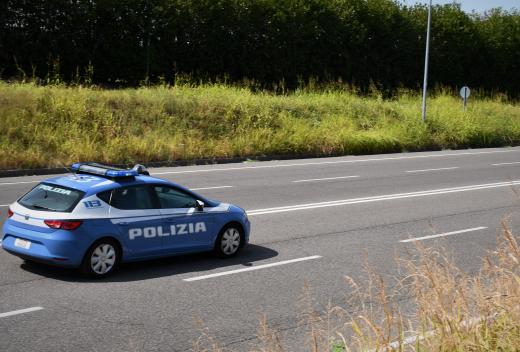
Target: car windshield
47 197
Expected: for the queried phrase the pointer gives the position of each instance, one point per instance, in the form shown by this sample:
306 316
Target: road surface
314 221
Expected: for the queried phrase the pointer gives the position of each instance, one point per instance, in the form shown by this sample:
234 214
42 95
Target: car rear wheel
101 259
229 241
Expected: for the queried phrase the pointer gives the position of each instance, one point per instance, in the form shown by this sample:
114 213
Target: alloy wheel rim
230 241
103 259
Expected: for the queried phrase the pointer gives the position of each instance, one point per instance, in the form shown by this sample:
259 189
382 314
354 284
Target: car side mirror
200 205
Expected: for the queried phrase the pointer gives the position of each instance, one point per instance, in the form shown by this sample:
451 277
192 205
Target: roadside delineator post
465 92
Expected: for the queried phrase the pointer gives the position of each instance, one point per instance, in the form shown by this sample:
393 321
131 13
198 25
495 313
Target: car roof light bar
103 170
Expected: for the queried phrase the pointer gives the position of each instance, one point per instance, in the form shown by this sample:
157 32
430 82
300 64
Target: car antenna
71 171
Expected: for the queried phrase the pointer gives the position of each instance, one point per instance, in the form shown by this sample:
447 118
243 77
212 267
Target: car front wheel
228 241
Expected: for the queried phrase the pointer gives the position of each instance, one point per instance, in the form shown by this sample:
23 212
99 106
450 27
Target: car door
135 212
186 228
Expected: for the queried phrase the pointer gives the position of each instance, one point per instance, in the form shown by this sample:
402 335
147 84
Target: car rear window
49 197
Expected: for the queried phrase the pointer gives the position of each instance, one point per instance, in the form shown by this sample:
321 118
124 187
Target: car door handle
122 223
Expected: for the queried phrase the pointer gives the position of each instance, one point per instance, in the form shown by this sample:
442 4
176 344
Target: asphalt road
314 221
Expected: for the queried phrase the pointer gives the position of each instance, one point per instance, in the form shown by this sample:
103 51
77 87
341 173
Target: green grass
57 125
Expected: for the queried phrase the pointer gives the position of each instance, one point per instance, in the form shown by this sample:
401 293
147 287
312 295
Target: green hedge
275 44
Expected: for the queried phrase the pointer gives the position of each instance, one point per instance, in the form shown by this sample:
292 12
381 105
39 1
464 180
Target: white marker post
465 92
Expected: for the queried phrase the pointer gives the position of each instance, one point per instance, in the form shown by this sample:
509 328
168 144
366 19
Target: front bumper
247 230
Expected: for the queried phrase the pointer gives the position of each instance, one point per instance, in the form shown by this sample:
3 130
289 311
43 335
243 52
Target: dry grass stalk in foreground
464 312
433 306
206 342
451 310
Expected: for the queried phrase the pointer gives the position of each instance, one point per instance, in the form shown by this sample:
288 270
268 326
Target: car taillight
62 224
9 212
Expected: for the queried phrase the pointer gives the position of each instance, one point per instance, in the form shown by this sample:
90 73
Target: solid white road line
500 164
18 183
443 234
4 205
439 169
258 267
335 162
397 345
380 198
216 187
21 311
326 179
407 341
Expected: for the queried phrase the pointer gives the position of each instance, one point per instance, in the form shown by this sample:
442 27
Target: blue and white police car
100 216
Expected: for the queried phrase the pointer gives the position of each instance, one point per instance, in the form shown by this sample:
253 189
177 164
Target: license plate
22 243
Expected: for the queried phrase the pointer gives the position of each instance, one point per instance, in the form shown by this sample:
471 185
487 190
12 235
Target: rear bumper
59 247
38 259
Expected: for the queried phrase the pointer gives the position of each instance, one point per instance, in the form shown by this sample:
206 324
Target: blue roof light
103 170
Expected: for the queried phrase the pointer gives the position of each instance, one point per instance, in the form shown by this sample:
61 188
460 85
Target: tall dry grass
452 310
433 305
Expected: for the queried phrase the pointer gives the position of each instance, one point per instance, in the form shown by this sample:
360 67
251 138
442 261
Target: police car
100 216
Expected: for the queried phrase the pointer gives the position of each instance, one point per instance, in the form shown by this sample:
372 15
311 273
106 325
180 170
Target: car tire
29 262
229 241
102 259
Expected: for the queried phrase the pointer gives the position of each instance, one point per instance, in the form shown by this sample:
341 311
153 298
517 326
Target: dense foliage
271 43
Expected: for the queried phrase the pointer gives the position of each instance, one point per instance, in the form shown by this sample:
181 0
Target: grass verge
52 126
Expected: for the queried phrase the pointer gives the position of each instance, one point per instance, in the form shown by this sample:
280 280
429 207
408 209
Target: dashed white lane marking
428 170
18 183
334 162
20 311
443 234
500 164
326 179
380 198
258 267
216 187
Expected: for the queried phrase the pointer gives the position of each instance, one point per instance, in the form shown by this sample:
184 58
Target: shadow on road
171 266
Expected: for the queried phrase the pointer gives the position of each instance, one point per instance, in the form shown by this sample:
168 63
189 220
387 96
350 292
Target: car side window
129 198
105 196
172 198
